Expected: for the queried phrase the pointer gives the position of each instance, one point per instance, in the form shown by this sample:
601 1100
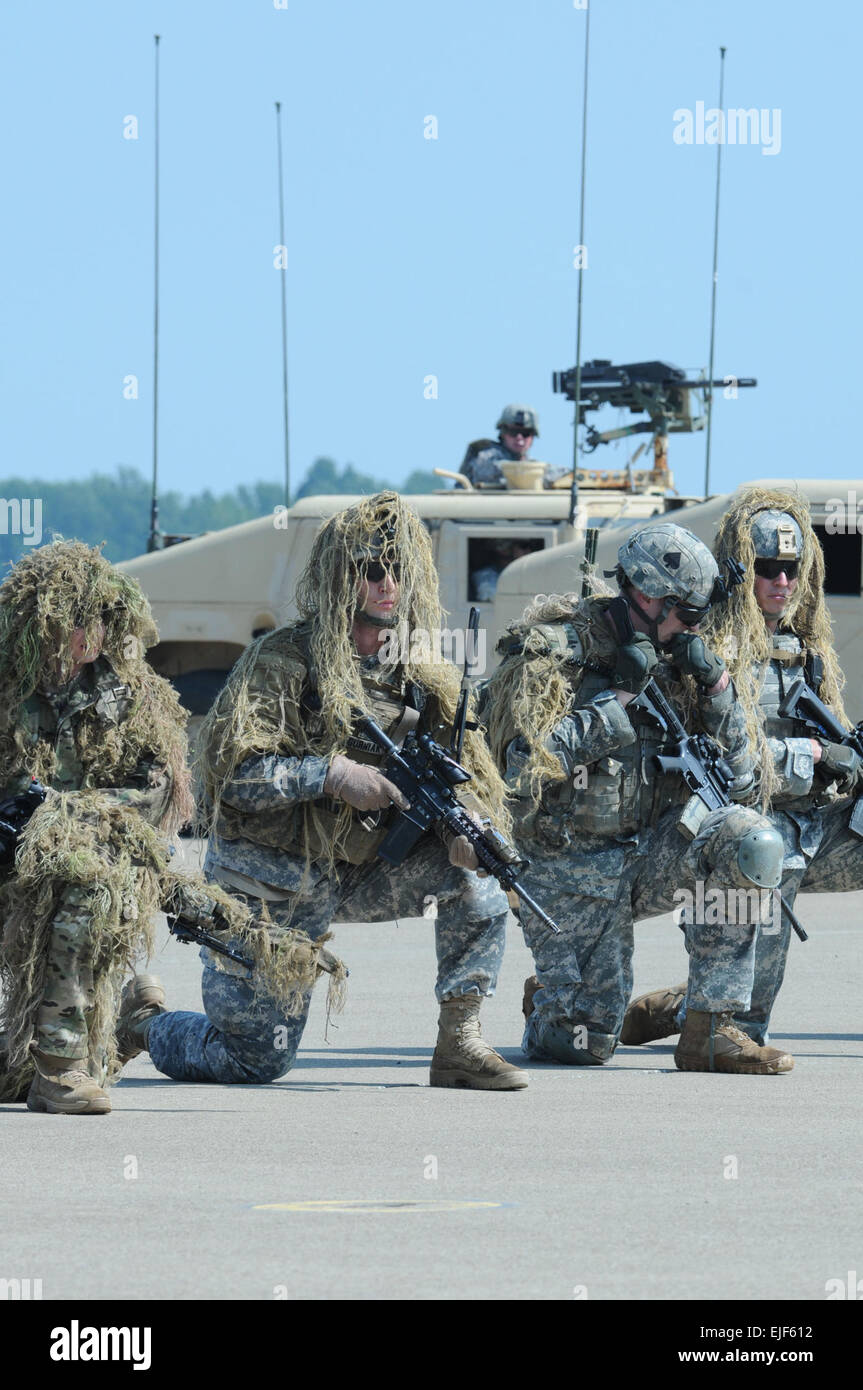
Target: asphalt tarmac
351 1178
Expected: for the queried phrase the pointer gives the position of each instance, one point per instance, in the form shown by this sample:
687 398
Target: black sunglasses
691 617
771 569
376 572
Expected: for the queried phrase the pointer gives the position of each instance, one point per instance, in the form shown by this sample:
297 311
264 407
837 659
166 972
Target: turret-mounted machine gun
656 389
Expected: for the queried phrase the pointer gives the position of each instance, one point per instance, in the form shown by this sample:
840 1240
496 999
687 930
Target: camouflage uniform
483 467
55 716
254 851
821 831
609 852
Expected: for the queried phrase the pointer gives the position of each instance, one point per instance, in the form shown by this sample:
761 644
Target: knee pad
759 857
574 1046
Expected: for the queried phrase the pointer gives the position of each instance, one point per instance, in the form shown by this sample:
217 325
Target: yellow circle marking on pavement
364 1205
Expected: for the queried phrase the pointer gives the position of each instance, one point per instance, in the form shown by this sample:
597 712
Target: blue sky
408 256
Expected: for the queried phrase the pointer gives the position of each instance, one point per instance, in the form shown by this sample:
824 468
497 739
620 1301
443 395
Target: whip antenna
573 492
284 304
156 541
708 392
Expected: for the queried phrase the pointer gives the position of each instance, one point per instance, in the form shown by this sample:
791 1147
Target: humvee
211 595
835 512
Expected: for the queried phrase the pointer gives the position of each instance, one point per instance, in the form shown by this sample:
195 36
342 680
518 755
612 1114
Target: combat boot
63 1086
531 985
142 1000
652 1016
463 1058
712 1042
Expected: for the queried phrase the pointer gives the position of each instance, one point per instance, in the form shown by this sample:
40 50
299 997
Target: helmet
776 536
663 559
518 417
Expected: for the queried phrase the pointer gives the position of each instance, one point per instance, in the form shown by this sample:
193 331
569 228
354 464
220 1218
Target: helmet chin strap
653 624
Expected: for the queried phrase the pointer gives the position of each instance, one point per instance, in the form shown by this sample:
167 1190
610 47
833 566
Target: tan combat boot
712 1042
531 985
652 1016
463 1058
142 1000
63 1086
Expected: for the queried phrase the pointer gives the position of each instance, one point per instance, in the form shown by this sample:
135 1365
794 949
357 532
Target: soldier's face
773 595
82 652
518 441
379 597
669 627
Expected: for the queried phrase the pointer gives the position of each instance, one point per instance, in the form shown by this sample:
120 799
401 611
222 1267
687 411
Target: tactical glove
688 653
462 854
635 664
840 764
361 786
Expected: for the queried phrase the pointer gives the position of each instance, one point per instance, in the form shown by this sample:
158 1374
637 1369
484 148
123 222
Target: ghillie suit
737 629
297 692
289 828
533 688
285 963
110 745
92 864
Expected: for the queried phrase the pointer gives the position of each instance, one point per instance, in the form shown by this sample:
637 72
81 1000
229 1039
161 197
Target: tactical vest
397 705
54 717
622 792
790 662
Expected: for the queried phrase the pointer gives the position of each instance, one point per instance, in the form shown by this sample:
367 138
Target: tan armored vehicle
213 594
834 505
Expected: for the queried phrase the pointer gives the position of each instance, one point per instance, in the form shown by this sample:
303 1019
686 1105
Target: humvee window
842 557
486 558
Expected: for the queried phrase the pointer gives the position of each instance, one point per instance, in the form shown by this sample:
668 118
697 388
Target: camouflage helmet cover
776 536
663 559
518 417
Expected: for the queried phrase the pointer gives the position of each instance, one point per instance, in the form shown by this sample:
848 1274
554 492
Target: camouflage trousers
61 1024
597 890
823 854
243 1036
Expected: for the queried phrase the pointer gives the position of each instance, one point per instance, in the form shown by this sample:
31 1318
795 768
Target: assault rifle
15 812
426 774
187 929
802 703
696 757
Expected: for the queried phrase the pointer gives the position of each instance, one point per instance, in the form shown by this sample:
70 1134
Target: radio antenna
708 391
573 492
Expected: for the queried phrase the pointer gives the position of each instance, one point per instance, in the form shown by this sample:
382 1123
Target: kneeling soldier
613 840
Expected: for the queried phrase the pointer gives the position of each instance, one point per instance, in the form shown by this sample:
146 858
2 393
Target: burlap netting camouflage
737 629
259 714
535 684
85 840
49 593
89 839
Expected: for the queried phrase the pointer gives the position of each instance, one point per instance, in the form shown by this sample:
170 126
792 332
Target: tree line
115 508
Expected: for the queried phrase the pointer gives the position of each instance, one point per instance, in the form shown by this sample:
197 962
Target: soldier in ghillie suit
775 632
293 790
84 715
612 840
